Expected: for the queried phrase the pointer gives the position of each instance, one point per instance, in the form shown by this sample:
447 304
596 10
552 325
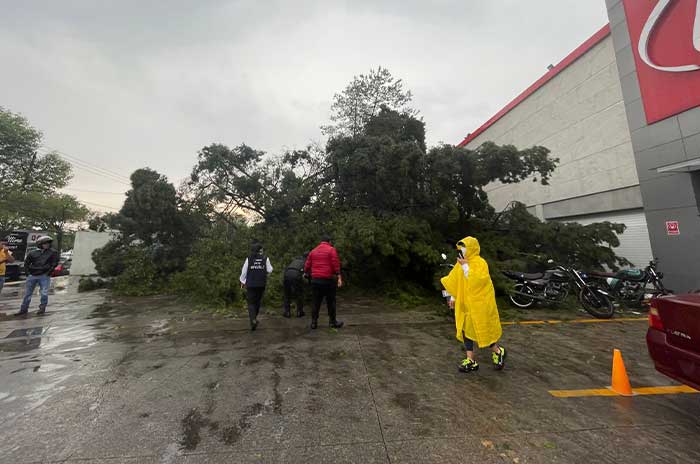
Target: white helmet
43 239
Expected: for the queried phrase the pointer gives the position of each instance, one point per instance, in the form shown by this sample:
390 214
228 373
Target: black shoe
253 325
468 365
286 314
337 324
41 312
300 314
314 325
21 313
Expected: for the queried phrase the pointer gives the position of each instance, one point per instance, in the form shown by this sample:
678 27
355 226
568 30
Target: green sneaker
469 365
499 359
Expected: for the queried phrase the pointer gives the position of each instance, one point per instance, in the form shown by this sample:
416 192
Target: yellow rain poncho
476 313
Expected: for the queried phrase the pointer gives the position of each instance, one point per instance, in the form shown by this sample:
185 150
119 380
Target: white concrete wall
580 116
86 241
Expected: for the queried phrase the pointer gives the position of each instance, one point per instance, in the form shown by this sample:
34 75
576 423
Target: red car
673 337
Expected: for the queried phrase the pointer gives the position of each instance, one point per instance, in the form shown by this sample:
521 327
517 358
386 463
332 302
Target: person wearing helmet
476 312
39 264
5 258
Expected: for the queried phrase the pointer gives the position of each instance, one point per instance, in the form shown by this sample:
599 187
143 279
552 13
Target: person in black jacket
39 264
294 286
254 279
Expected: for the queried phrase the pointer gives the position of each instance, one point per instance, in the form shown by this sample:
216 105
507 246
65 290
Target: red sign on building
666 44
672 228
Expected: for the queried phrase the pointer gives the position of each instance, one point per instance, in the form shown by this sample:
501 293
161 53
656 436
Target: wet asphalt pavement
101 380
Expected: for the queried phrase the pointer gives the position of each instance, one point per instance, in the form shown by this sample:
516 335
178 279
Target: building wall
580 116
669 196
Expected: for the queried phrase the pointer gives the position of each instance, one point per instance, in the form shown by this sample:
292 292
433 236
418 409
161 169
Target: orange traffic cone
620 381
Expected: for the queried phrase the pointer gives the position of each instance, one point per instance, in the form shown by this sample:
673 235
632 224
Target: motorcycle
633 286
554 285
551 286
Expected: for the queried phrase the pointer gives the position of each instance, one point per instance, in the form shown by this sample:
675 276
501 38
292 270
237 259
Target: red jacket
323 262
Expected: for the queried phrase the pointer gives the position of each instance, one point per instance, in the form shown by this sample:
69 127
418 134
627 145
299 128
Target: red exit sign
672 228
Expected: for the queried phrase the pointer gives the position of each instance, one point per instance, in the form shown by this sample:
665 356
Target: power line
95 171
88 163
94 191
101 206
92 170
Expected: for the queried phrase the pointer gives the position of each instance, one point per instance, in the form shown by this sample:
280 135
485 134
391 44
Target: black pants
469 344
254 296
293 291
323 288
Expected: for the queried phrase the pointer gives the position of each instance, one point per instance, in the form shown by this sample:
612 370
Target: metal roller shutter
634 243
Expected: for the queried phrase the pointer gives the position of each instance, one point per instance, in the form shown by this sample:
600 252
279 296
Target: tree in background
363 99
52 213
156 232
22 168
101 222
150 211
29 181
241 181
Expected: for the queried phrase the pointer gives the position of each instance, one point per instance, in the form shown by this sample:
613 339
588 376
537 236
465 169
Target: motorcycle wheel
596 303
521 301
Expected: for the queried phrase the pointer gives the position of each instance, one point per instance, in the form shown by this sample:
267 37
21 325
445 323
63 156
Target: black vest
257 272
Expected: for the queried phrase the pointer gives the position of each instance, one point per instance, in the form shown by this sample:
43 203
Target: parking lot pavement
150 381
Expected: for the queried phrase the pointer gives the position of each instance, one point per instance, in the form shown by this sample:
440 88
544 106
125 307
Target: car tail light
654 318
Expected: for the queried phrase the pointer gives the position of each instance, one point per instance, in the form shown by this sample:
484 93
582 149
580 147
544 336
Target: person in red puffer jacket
323 266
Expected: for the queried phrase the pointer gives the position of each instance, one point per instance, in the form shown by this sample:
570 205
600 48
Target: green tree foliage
211 275
51 212
363 98
26 175
585 247
150 211
391 203
101 222
157 229
22 168
243 181
110 259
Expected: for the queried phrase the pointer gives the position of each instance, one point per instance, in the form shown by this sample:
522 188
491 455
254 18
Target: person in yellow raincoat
476 314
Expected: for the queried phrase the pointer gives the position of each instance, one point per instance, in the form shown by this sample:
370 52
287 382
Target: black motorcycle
553 286
632 286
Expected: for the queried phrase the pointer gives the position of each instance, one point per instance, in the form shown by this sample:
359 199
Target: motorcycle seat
636 275
607 275
523 275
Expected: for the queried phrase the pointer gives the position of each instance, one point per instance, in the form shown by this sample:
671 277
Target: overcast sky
126 84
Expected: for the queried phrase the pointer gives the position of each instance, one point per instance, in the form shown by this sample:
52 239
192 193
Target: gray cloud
131 83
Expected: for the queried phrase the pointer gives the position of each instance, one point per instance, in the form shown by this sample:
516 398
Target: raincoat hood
472 246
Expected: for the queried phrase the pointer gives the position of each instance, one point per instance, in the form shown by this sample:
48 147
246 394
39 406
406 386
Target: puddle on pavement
157 328
20 345
29 332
